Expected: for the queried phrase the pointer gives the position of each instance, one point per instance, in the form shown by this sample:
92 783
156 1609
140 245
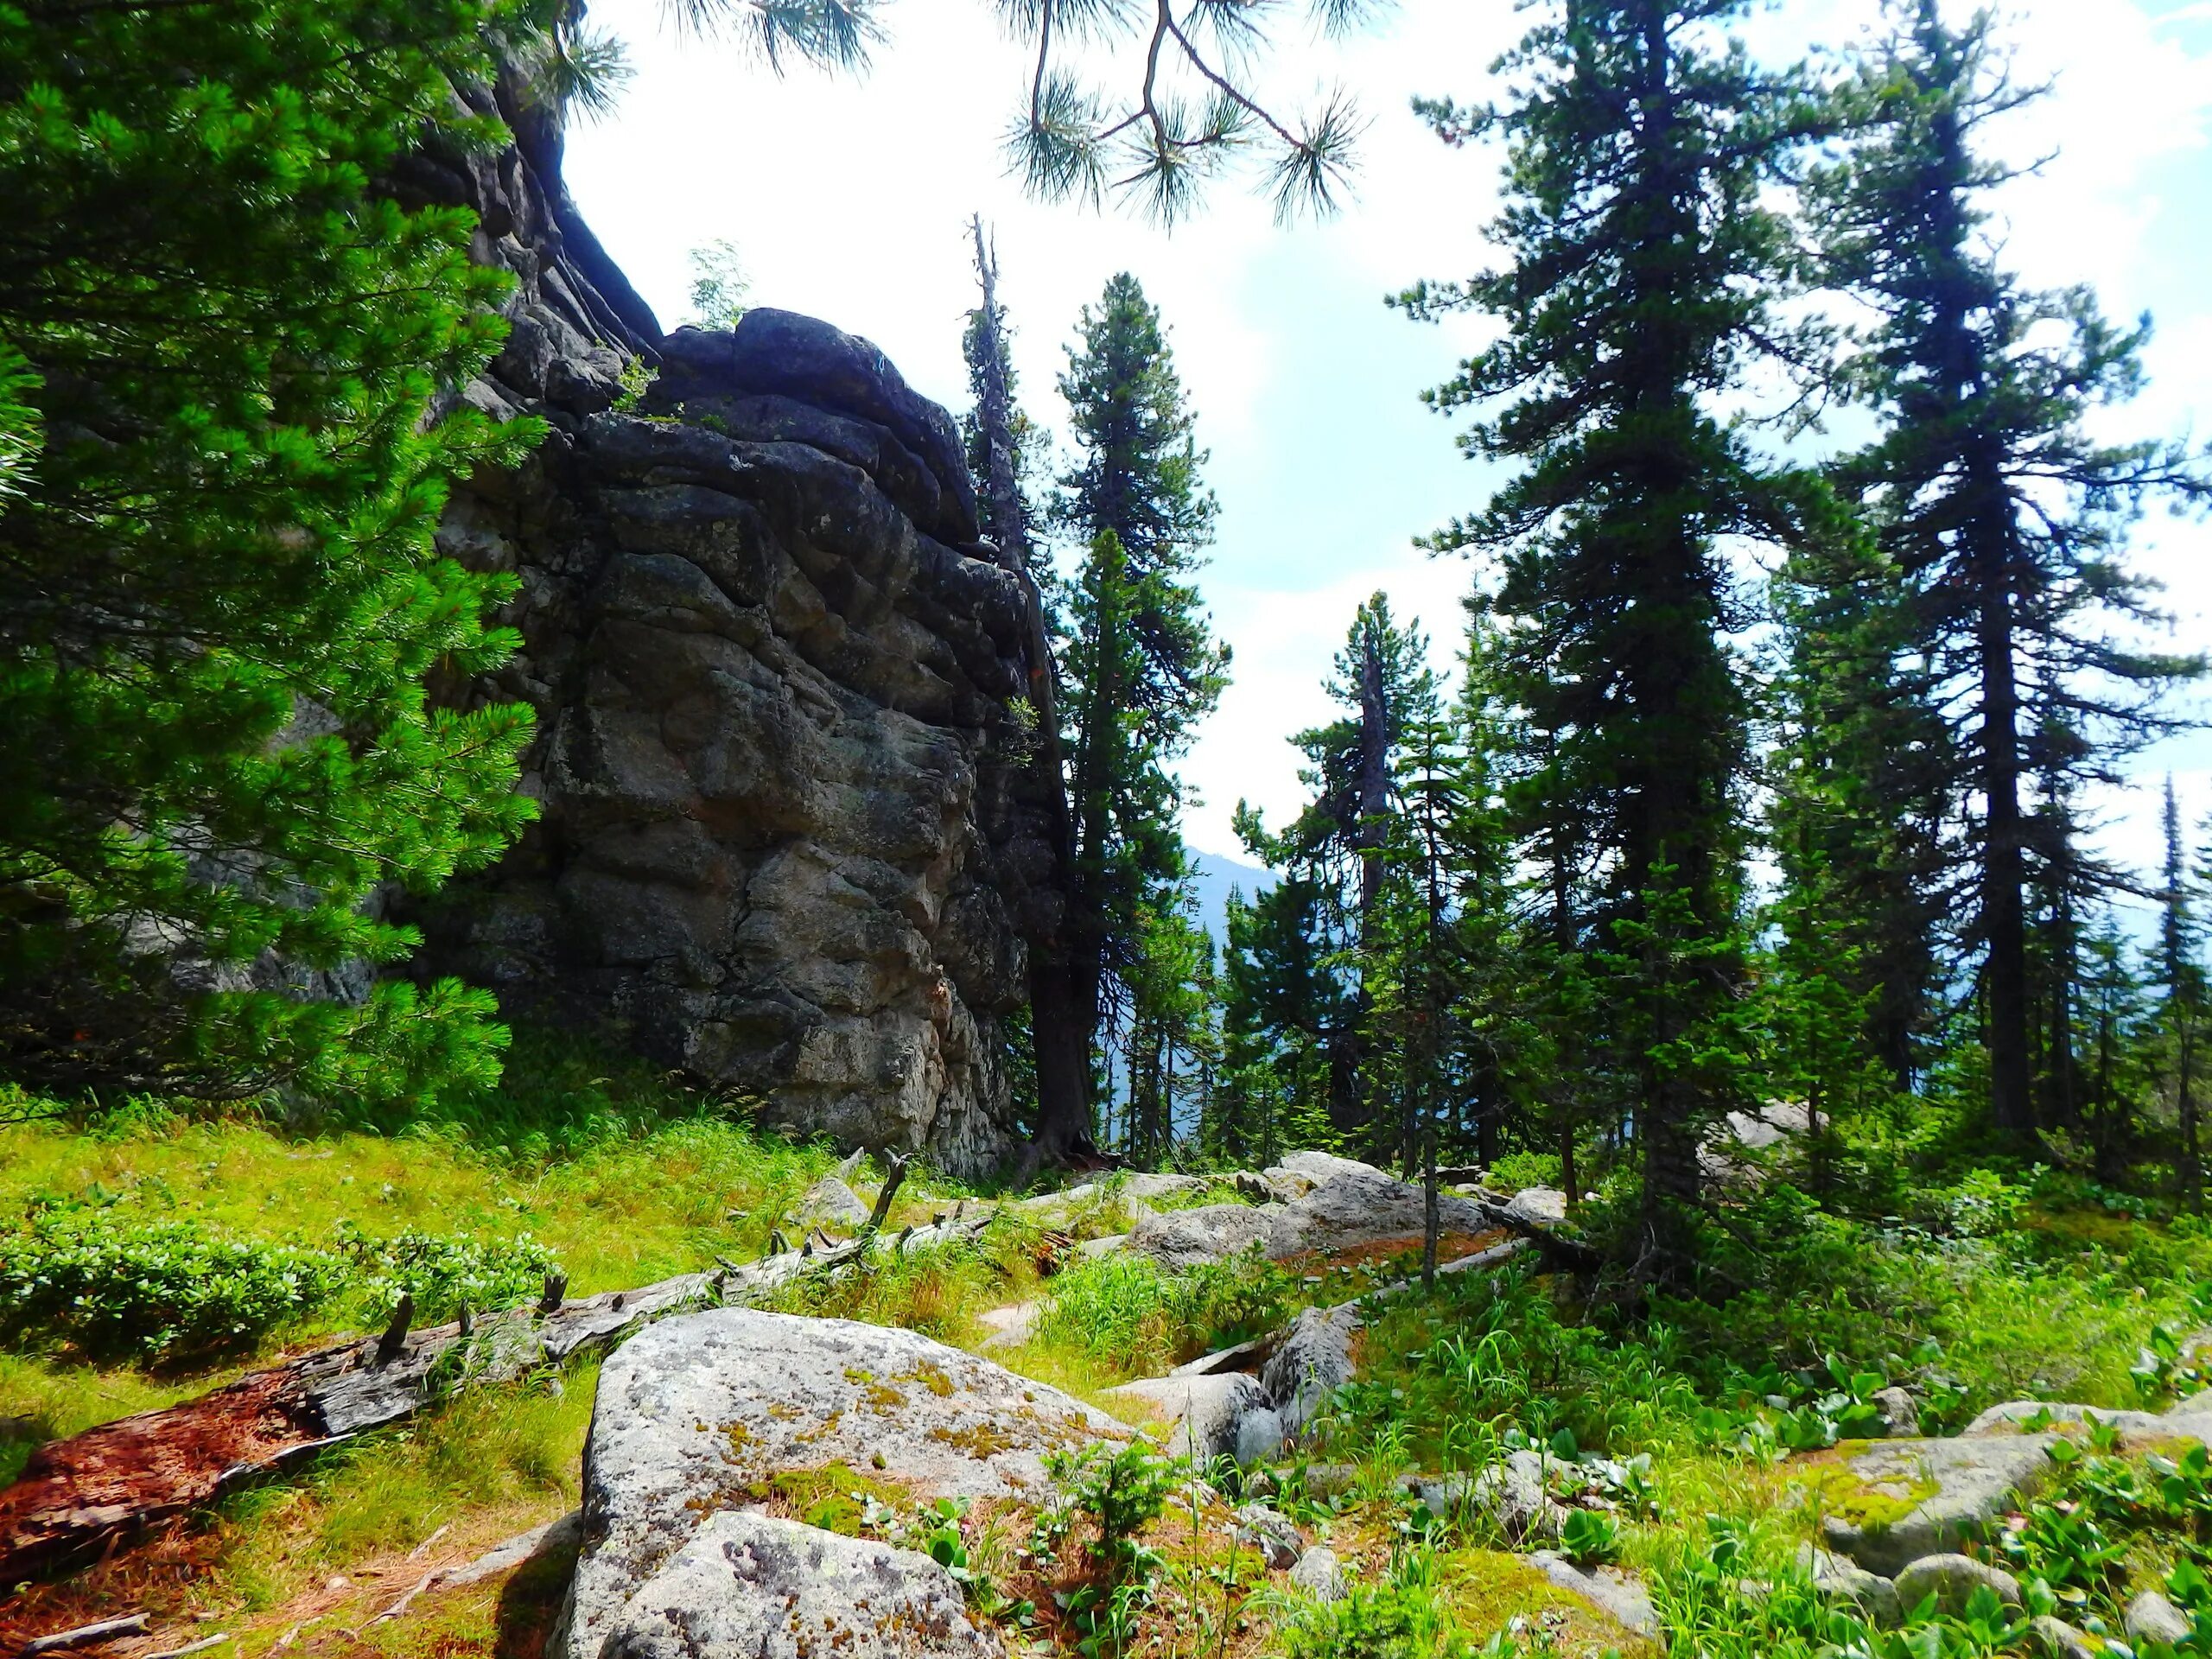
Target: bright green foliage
718 285
1126 1312
1859 820
1344 849
1124 1489
228 438
157 1288
1403 1615
447 1272
1644 260
109 1282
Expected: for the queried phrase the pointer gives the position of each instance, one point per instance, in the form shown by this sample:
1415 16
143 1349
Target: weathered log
74 1494
85 1636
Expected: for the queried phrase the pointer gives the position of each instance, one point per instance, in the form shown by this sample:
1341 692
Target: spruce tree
1993 502
1643 265
2183 984
228 362
1141 665
1005 448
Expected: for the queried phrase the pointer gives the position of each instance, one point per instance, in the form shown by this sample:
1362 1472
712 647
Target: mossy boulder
1888 1503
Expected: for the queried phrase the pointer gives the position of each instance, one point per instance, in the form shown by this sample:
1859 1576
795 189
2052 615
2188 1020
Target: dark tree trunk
2004 865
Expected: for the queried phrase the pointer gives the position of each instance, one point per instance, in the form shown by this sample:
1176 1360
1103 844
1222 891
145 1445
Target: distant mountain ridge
1213 877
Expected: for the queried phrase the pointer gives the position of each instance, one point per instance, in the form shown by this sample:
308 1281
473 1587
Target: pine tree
1004 448
1986 492
1341 840
1644 265
227 364
1141 666
2182 980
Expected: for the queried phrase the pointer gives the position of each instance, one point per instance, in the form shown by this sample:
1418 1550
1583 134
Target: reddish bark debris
149 1466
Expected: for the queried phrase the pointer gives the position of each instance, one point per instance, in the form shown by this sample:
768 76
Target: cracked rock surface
698 1414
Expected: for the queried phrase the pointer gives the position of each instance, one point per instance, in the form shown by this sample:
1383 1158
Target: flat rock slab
1897 1501
748 1585
1010 1327
695 1414
2138 1430
1354 1207
1209 1233
1300 1172
1363 1206
1609 1589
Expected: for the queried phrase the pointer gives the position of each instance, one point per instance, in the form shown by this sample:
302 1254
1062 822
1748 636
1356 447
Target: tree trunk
1061 1034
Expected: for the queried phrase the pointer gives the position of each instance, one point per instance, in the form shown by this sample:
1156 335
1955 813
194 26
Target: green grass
1983 1289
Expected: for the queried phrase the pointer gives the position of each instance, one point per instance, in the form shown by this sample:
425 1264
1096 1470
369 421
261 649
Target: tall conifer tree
226 438
1143 666
1994 503
1644 268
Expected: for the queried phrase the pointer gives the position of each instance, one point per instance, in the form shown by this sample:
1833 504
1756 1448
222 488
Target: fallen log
75 1494
1560 1252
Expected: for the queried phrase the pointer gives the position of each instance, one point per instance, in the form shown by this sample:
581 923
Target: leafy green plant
445 1272
1124 1490
1402 1616
1590 1535
153 1289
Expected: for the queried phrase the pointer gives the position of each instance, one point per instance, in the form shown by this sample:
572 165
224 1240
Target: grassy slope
641 1184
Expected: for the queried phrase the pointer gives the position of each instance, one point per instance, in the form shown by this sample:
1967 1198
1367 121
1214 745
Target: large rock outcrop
779 690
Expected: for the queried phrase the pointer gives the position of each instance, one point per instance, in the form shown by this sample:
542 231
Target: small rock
1330 1479
2055 1639
1512 1494
1538 1206
1009 1327
1319 1575
2151 1617
1146 1185
1952 1579
1441 1495
748 1586
1201 1414
850 1165
1271 1533
1259 1436
1255 1186
1832 1575
1608 1589
1900 1415
1313 1361
830 1202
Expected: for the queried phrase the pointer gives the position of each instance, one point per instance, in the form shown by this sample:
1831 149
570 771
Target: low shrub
444 1272
112 1286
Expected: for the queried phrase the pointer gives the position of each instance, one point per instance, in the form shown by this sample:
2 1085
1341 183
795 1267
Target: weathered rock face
780 691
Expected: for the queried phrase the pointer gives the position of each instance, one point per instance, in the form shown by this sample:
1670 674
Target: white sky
848 199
